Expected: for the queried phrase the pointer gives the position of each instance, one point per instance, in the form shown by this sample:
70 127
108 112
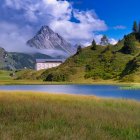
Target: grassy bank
131 87
123 85
67 117
6 79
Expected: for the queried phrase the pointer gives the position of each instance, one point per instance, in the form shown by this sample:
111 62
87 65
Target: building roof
49 60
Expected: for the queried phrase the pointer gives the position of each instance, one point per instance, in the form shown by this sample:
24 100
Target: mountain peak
46 38
45 29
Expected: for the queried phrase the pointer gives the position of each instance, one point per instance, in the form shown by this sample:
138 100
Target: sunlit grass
131 87
28 115
5 75
6 79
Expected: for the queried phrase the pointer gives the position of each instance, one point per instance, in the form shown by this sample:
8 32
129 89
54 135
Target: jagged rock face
3 53
48 39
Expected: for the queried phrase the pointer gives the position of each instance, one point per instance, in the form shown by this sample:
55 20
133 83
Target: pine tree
94 46
129 44
139 28
104 40
135 27
79 49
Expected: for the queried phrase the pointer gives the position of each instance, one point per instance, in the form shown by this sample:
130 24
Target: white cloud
13 38
13 4
81 32
59 10
113 41
119 27
58 15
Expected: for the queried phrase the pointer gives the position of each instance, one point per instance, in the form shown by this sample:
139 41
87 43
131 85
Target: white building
48 63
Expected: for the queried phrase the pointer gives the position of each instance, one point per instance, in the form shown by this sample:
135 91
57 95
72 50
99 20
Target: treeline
129 41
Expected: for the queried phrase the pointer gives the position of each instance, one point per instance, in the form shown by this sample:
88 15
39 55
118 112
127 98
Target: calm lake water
106 91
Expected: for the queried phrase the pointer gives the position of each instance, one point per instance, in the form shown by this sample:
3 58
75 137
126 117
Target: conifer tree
139 28
79 49
94 46
129 44
104 40
135 27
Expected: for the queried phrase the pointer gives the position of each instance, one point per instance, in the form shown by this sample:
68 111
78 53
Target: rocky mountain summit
47 39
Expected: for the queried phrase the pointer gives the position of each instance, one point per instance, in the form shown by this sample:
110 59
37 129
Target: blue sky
114 13
78 21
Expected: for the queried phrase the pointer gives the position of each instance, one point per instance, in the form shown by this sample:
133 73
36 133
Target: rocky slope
48 39
12 60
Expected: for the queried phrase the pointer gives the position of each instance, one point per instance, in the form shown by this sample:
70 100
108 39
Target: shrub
88 68
107 76
128 78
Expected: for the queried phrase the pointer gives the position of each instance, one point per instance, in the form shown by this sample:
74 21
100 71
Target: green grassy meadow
4 75
131 87
5 79
28 115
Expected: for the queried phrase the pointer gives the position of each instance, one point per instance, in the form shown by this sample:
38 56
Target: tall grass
40 116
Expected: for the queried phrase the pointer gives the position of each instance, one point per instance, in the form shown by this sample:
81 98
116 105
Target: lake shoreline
102 91
34 82
5 79
125 86
68 94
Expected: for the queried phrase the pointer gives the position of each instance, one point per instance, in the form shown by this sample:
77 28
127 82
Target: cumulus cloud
14 38
81 31
22 18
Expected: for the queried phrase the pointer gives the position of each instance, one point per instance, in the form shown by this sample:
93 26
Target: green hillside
120 62
103 63
5 75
